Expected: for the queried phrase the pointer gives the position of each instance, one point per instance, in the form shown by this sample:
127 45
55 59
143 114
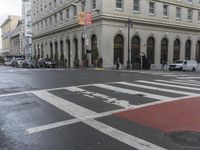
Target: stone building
26 19
17 40
7 27
160 30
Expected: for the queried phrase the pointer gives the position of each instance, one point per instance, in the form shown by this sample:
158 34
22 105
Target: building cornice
160 24
179 3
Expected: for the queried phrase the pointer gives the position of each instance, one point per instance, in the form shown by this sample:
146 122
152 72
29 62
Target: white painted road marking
122 136
159 89
132 92
52 126
169 85
83 113
190 84
110 100
65 105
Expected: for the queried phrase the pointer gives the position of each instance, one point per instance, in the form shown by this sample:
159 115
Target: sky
9 7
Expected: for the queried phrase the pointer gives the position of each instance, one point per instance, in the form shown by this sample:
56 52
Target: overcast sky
9 7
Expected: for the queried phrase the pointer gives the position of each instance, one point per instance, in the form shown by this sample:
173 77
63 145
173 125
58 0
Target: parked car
47 63
30 64
8 63
17 62
184 65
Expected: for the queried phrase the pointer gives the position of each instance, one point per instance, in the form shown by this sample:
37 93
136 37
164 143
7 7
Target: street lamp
129 23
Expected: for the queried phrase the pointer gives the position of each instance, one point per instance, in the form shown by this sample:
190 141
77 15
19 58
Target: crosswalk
86 103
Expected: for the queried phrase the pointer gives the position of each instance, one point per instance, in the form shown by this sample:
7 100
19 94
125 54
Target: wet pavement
48 109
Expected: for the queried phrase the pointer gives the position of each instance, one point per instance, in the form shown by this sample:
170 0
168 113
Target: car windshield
179 62
20 58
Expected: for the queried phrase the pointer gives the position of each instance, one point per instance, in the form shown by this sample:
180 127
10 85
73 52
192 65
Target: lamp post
129 23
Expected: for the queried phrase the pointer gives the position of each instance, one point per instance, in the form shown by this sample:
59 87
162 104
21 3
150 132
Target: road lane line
188 81
168 85
128 139
178 83
188 78
72 121
107 99
83 113
159 89
132 92
52 126
65 105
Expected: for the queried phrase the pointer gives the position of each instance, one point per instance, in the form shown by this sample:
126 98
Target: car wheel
181 69
193 69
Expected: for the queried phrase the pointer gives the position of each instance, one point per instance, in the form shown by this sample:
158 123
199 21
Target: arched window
188 50
42 50
62 57
135 50
51 50
198 51
164 50
69 52
176 55
118 49
56 52
150 50
94 53
76 49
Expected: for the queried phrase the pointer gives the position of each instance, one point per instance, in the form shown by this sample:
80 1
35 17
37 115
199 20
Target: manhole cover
185 138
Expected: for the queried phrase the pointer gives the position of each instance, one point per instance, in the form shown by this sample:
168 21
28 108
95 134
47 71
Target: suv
184 65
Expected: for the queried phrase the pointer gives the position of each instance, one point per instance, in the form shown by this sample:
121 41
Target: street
91 109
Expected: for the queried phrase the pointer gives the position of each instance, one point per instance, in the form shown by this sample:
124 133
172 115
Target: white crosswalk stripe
169 85
83 113
159 89
132 92
173 82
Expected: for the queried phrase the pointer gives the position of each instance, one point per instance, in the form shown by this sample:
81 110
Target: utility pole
129 23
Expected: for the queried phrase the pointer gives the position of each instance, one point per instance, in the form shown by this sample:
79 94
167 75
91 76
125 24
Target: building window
93 4
136 5
190 14
165 10
199 16
152 8
61 16
45 22
119 4
75 11
55 2
178 13
83 5
67 13
55 18
50 20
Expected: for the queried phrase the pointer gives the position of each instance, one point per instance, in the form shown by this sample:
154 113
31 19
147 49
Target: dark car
30 64
47 63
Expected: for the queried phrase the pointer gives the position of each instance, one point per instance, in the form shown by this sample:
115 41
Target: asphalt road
59 109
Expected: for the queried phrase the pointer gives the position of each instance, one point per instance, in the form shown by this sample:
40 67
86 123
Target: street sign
82 18
88 18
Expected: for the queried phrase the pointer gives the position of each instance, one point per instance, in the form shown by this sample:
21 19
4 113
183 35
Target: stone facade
162 30
17 40
7 27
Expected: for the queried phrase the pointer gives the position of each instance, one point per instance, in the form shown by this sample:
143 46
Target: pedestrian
163 65
118 64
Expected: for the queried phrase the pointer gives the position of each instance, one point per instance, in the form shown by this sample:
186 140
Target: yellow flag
82 18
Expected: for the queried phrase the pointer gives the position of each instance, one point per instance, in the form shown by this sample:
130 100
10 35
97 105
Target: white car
184 65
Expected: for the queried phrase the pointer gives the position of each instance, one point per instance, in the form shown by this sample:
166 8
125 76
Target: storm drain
185 138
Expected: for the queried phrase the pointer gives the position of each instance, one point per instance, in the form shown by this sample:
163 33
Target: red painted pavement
172 116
